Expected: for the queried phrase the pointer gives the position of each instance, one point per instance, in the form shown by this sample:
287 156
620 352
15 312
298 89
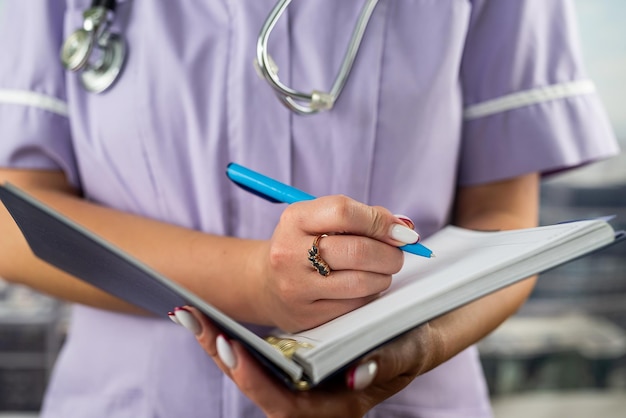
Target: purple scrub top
443 93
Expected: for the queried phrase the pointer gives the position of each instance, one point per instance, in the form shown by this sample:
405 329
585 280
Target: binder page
463 258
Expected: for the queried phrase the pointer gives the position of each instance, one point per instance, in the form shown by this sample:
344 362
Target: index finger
340 214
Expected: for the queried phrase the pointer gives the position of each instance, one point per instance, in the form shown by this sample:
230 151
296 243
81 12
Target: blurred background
563 354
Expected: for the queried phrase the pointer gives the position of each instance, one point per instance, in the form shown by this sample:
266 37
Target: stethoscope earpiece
94 51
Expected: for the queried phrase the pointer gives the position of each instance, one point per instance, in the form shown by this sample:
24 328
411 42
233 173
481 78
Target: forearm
210 266
505 206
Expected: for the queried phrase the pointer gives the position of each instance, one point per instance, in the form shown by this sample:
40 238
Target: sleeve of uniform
34 127
528 104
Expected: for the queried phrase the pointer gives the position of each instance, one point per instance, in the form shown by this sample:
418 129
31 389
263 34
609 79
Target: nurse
452 112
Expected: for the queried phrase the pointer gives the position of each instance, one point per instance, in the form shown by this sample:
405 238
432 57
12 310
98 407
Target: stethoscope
93 50
99 55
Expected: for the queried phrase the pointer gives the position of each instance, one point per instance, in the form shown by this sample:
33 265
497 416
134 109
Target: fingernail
225 351
187 320
406 220
404 234
172 316
362 376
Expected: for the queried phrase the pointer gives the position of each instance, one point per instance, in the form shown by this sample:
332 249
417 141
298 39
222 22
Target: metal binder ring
316 259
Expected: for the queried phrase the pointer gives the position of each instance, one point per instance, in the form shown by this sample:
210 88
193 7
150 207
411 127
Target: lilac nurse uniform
443 94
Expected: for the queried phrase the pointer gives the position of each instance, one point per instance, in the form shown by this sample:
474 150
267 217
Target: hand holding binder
351 393
469 264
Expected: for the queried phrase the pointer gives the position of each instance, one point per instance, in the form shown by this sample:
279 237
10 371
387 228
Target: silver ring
316 260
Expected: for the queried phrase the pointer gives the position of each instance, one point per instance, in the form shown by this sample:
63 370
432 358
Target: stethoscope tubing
76 55
290 97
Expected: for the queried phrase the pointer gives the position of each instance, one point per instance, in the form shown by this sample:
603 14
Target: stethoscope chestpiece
102 73
76 50
93 50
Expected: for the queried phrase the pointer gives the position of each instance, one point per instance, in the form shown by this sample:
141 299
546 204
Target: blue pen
277 192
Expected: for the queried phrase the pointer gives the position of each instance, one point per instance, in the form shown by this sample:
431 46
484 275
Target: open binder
469 264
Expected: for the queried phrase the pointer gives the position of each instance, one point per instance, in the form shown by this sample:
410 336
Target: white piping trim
30 98
527 98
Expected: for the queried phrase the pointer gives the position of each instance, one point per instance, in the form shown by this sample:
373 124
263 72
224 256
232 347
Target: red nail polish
350 378
172 316
407 221
362 376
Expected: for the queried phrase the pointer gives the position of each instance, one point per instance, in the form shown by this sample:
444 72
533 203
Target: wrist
256 270
436 351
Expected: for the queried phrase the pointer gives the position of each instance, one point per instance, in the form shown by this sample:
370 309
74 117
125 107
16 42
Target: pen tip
432 255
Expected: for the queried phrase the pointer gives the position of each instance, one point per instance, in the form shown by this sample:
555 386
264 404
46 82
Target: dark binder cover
83 254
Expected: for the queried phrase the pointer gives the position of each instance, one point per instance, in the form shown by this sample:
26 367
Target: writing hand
360 249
